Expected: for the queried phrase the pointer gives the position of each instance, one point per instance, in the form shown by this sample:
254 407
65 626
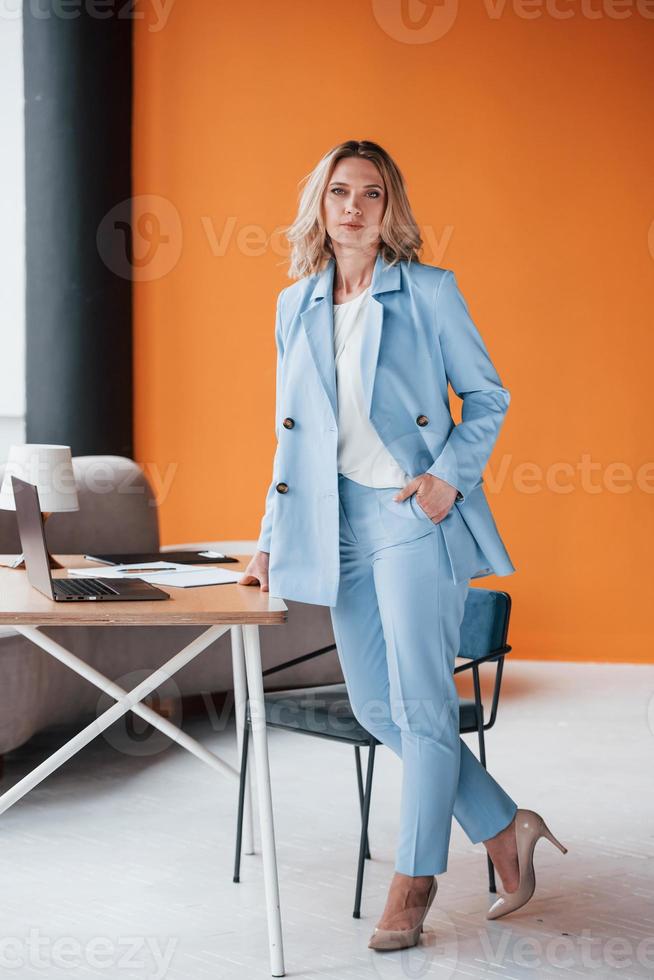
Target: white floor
120 864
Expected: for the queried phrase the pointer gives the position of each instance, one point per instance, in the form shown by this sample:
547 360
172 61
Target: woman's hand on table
257 571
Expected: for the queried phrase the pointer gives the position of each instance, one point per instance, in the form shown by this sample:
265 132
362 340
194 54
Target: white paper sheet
122 571
172 574
186 580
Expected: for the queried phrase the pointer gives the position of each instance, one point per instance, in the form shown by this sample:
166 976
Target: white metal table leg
264 795
240 696
128 700
85 670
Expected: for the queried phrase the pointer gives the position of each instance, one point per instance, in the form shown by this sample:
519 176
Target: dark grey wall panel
78 112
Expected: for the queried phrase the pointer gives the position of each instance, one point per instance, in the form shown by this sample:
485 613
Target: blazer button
422 420
288 423
281 487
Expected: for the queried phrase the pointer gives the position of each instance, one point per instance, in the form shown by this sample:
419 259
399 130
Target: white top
362 456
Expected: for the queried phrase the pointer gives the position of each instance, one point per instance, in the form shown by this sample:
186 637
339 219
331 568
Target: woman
377 508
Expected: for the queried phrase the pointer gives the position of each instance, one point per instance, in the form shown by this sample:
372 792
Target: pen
149 571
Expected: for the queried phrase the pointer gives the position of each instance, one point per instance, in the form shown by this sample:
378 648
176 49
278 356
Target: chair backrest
485 623
117 511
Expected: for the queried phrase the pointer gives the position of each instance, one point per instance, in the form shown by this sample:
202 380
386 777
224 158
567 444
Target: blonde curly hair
311 246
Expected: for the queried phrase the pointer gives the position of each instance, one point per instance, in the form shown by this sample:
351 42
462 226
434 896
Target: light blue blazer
418 336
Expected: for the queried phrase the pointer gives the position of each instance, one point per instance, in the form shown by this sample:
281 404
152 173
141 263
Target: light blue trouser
396 624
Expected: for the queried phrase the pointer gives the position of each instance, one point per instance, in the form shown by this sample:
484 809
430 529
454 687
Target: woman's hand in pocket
257 571
434 495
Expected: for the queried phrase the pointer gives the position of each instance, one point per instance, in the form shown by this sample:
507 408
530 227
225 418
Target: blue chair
326 712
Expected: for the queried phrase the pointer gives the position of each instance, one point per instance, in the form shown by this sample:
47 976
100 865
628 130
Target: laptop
35 552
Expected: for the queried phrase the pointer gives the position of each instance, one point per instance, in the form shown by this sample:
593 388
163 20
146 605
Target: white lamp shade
49 468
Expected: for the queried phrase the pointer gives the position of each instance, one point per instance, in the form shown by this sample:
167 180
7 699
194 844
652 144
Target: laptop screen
32 535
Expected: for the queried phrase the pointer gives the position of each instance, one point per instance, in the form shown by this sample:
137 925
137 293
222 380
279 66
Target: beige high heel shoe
529 827
383 939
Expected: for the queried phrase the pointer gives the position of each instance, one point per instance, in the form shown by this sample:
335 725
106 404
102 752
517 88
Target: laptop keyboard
82 587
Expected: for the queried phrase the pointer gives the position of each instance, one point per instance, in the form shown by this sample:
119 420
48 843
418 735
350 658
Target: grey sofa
118 512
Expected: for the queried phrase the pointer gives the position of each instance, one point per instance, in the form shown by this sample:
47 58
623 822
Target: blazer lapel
385 279
318 323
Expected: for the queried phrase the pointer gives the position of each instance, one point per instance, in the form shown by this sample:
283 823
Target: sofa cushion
117 511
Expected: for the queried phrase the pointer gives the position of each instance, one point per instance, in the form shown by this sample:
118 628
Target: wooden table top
206 605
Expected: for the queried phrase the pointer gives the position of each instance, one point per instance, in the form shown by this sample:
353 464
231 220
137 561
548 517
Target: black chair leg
492 887
357 756
241 799
364 830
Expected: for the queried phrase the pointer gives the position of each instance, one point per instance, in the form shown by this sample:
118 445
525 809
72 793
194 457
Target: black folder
182 557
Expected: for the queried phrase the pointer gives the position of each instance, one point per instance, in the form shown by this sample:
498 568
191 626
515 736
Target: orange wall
528 149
